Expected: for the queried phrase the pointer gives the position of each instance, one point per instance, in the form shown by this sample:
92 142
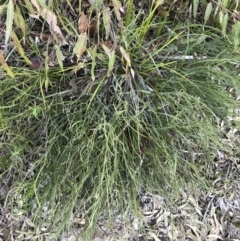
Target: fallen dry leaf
37 63
91 2
83 23
9 21
36 5
42 36
81 45
117 9
19 48
5 66
51 19
76 68
109 44
111 57
125 56
162 12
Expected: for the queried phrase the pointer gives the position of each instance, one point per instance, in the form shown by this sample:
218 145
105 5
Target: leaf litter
51 19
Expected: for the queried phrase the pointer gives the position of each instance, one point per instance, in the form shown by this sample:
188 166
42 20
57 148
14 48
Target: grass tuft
148 119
